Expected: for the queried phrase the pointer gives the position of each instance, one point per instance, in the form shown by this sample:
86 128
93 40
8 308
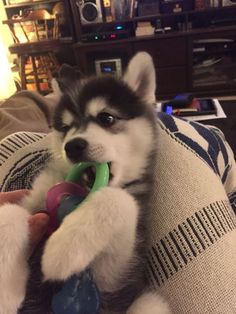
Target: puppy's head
103 119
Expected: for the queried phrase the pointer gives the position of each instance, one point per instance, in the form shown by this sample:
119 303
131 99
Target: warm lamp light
7 85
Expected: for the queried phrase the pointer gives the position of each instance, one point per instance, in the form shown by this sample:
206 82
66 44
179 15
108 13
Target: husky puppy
101 120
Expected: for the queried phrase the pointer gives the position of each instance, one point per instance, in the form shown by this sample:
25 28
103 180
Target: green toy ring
101 177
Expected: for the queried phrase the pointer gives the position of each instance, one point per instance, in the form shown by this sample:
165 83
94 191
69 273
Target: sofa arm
191 251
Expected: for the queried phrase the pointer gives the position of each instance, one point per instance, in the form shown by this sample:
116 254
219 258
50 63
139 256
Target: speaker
90 11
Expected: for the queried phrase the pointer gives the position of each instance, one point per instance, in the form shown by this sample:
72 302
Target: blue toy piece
79 294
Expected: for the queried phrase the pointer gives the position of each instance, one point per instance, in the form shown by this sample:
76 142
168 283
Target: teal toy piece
79 294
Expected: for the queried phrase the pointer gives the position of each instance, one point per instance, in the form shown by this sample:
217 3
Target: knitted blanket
191 257
191 248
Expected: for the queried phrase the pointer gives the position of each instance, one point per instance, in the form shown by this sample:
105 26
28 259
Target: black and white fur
102 120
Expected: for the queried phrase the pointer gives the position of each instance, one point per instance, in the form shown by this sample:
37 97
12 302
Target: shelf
155 37
209 10
66 40
163 15
30 3
107 23
193 12
217 52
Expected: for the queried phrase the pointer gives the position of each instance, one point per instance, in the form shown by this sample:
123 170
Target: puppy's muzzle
76 149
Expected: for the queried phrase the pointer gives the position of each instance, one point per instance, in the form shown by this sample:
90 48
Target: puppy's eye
64 128
106 119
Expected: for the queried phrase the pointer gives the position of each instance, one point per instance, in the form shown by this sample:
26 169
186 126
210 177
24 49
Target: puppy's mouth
88 178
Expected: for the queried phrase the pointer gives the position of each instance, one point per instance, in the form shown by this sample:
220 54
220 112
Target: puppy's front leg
14 249
103 225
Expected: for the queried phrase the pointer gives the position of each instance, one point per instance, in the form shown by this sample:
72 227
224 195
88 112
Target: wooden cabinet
86 55
169 56
180 68
212 61
166 52
170 60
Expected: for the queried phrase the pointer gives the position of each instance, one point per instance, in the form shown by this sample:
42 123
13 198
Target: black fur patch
117 94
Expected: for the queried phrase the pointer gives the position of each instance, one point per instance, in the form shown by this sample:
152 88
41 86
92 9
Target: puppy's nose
75 148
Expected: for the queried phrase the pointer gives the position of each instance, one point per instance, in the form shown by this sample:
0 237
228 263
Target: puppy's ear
67 75
140 76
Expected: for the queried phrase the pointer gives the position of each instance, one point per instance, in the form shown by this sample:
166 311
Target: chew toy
79 294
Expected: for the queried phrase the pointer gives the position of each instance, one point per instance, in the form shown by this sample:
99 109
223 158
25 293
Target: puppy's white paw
87 232
62 257
14 242
150 303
